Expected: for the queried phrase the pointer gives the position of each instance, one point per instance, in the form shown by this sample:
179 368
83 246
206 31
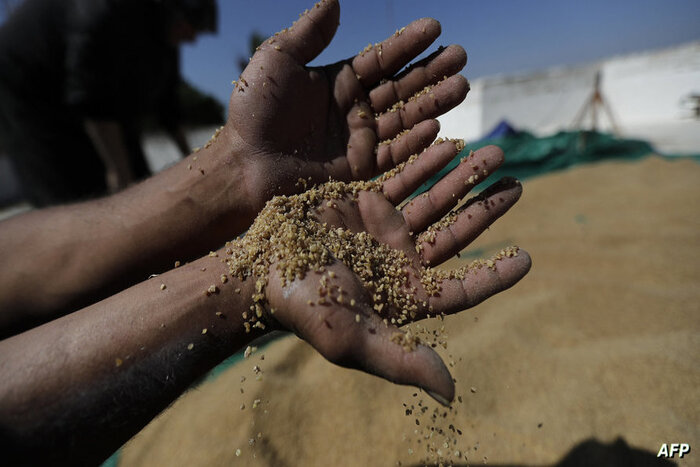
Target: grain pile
289 237
598 342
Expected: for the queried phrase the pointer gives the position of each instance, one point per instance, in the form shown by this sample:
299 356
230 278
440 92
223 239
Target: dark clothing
62 61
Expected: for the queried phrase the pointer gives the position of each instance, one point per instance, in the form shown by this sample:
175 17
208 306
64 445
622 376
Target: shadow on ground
593 452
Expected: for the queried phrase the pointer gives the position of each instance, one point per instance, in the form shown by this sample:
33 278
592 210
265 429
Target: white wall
464 121
649 87
644 90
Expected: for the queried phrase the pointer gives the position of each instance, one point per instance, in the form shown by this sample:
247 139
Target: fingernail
505 183
442 400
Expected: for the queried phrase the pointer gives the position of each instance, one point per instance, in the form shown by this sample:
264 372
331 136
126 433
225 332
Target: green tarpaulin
528 155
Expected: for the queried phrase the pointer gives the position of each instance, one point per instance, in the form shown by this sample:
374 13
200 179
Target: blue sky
500 36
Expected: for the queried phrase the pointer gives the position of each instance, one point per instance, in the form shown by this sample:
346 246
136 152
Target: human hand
345 292
292 121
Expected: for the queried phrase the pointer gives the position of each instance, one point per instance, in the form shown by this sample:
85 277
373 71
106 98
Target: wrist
217 180
228 300
195 205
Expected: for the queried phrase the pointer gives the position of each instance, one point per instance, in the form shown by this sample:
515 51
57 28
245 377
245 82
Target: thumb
399 357
350 333
339 321
310 34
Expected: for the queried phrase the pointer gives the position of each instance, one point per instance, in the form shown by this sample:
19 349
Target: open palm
354 335
297 121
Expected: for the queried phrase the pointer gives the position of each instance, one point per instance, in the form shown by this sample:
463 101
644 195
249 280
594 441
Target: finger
361 142
482 280
430 206
390 353
457 230
385 59
310 34
414 174
428 103
444 62
393 151
333 313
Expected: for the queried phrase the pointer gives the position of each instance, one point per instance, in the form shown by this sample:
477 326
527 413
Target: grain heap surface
609 306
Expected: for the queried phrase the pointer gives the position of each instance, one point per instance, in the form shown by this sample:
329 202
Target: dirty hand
294 121
351 315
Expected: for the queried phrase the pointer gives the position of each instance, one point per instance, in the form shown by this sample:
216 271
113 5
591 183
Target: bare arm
76 388
67 257
309 123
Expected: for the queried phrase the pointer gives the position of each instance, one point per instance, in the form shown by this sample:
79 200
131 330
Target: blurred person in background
76 79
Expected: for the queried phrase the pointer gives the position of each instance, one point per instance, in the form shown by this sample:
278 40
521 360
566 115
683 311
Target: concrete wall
649 87
464 121
541 102
644 90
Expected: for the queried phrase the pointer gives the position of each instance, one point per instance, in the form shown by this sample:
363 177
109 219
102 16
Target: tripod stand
592 106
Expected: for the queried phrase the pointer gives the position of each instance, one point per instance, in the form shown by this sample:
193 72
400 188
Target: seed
190 346
249 351
162 286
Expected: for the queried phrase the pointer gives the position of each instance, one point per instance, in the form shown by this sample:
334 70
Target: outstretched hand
351 330
348 120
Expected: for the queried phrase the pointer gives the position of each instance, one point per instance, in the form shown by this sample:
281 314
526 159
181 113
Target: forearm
67 257
87 382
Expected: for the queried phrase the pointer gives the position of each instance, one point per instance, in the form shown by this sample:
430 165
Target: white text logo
671 449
